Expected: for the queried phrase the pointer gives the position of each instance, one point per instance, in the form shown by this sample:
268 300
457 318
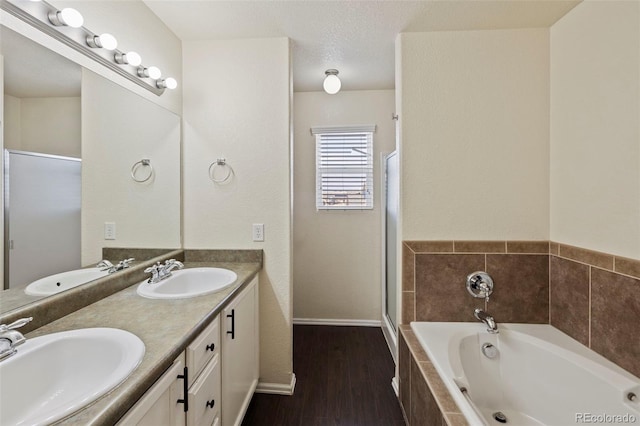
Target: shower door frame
388 328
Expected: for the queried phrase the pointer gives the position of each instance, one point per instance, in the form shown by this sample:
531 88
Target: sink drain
500 417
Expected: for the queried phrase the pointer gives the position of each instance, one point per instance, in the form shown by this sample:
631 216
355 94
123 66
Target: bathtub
539 376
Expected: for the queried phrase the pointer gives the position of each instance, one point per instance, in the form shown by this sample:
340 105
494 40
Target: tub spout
481 315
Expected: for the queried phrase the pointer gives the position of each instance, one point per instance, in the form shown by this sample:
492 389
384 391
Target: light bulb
331 83
154 73
133 59
66 16
168 83
108 41
171 83
105 41
130 58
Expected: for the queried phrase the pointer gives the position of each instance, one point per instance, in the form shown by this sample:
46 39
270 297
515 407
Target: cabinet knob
211 347
211 403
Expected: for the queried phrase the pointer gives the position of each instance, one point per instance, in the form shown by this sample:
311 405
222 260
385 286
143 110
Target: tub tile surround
589 295
419 381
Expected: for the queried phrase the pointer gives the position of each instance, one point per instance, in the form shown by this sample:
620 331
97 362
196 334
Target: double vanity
182 350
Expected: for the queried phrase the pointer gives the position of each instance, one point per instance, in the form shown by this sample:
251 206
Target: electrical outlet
109 230
258 232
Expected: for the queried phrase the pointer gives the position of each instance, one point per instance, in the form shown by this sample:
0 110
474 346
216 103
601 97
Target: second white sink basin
189 282
52 376
63 281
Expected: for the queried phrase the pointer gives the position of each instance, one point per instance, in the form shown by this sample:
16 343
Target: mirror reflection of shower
42 150
42 215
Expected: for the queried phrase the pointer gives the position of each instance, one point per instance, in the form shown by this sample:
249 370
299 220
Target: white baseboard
343 322
394 385
277 388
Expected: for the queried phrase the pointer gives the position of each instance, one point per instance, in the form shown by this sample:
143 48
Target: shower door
42 216
391 200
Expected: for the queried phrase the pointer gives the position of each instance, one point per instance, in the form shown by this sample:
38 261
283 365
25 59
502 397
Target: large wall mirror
87 165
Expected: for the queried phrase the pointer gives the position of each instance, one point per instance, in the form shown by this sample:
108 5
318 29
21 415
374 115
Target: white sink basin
55 375
187 283
63 281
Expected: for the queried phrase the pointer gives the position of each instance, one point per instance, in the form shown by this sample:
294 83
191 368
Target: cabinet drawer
203 349
204 396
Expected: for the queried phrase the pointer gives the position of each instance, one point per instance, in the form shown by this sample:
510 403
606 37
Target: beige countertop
166 327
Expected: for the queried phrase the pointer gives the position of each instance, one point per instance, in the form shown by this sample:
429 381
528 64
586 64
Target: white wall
124 129
595 127
237 106
337 262
46 125
474 116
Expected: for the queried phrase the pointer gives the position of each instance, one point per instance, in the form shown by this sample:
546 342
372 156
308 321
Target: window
344 168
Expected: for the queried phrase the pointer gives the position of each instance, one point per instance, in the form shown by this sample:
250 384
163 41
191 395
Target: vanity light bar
66 26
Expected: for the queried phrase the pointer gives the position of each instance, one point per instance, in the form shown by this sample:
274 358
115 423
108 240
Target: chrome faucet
160 272
111 268
487 319
105 265
10 338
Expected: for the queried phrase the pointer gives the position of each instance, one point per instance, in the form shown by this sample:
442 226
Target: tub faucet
481 315
10 338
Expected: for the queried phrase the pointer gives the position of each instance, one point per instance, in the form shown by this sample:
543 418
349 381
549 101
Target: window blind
344 170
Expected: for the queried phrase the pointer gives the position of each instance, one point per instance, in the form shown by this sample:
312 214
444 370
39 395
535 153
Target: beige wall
45 125
474 116
595 128
12 124
337 263
237 106
123 130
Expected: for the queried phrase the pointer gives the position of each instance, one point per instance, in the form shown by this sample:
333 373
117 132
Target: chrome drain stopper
500 417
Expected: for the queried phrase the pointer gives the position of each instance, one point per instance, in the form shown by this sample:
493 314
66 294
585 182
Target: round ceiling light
331 83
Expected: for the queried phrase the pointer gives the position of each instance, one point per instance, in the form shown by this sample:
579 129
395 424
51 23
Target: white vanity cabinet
203 363
165 403
222 369
159 405
240 354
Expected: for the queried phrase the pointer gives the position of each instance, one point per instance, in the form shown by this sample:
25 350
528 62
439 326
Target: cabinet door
159 405
204 396
240 354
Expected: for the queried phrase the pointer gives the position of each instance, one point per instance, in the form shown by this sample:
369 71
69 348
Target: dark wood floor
343 378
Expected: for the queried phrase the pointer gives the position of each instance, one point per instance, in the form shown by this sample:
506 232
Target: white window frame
327 139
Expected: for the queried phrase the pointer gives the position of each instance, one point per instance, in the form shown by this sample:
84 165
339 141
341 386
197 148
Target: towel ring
222 163
142 163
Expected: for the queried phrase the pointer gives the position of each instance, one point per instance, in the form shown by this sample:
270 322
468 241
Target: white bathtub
540 376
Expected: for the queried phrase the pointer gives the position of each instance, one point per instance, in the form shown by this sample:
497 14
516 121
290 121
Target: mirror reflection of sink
52 376
189 282
63 281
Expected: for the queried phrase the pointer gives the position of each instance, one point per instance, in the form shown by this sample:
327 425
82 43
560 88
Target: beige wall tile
441 294
615 310
569 298
627 266
538 247
521 287
408 307
431 246
591 257
479 246
408 268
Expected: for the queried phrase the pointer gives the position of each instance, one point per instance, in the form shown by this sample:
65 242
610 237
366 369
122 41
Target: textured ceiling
355 37
33 71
